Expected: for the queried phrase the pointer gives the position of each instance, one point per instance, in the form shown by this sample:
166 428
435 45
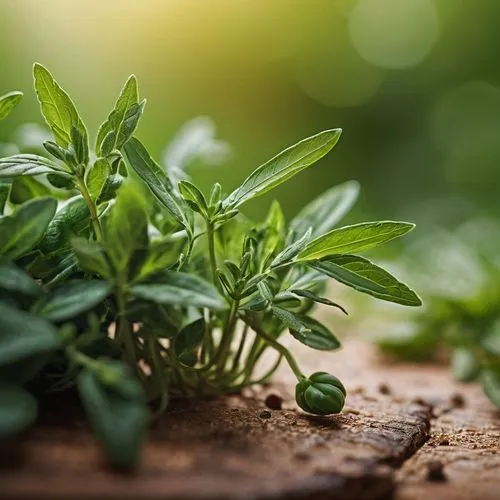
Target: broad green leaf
18 410
122 121
22 230
22 335
366 277
155 178
188 340
91 257
28 164
289 319
356 238
8 102
14 279
283 166
96 177
119 418
72 219
181 289
324 212
111 185
464 365
57 107
126 228
490 380
73 298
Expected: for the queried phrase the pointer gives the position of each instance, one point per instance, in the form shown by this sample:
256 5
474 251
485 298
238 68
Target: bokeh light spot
394 34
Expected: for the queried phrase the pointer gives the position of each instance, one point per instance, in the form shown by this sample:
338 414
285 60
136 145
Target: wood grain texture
236 447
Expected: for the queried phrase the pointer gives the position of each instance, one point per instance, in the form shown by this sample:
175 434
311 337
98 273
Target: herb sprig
135 288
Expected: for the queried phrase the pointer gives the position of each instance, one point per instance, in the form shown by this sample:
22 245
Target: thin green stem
92 208
227 337
276 345
211 251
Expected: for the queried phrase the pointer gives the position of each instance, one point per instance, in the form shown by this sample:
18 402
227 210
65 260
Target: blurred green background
415 84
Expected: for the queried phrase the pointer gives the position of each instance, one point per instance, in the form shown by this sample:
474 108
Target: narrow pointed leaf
283 166
366 277
155 178
356 238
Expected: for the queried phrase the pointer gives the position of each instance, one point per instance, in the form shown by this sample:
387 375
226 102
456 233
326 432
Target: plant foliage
135 288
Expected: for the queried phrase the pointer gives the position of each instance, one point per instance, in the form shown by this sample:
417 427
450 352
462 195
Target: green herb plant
136 289
461 320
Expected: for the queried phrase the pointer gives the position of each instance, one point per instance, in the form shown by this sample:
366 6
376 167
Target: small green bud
321 394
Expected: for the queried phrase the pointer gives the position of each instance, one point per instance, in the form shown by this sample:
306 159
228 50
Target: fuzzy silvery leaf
28 164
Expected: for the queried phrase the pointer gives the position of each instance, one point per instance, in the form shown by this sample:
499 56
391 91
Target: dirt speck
384 388
265 414
274 402
435 471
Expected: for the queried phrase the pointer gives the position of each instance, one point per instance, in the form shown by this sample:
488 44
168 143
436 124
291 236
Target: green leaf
356 238
192 194
290 252
325 211
490 380
119 418
126 228
26 188
72 219
28 164
283 166
155 178
464 365
366 277
14 279
491 340
22 230
307 330
80 145
57 108
181 289
122 121
73 298
188 340
18 410
91 257
22 335
96 177
8 102
315 298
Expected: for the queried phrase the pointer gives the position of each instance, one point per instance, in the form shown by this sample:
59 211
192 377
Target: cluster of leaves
135 288
459 275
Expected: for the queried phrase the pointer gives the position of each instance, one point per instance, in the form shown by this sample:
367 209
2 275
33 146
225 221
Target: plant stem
227 336
211 251
276 345
92 208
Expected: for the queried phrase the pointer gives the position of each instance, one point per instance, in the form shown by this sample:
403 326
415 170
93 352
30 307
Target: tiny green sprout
121 278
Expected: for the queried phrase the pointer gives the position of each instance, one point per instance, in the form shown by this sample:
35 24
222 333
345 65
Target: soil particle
384 388
274 402
265 414
457 400
435 471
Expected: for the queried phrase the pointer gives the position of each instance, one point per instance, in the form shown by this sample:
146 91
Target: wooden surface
407 433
